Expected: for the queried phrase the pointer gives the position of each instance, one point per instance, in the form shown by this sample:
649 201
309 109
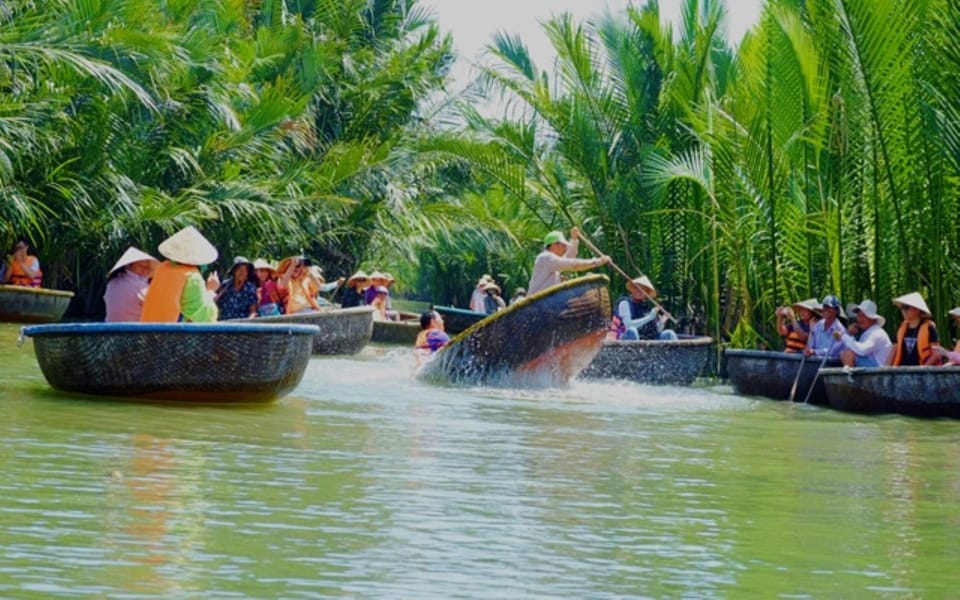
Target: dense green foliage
272 126
819 157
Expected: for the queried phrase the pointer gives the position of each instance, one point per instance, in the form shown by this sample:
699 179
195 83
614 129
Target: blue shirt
821 340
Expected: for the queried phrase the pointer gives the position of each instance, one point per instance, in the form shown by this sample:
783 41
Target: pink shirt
124 296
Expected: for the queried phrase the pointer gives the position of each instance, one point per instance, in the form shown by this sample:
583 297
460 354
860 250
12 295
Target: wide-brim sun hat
130 256
811 304
359 275
491 285
317 272
915 300
869 310
645 283
378 275
831 301
188 247
954 312
263 264
555 237
241 260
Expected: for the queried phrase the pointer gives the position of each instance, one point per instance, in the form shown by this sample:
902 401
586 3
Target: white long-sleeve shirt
873 342
548 266
623 311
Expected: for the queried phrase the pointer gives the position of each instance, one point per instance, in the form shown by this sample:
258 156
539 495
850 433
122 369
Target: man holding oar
560 255
641 320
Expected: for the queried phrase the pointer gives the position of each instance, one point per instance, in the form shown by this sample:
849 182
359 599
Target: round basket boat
457 320
209 363
339 330
660 362
403 332
543 340
771 374
20 304
914 391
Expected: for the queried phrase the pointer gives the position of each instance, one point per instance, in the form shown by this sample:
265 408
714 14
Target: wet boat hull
186 362
32 305
771 374
915 391
659 362
341 330
458 320
541 341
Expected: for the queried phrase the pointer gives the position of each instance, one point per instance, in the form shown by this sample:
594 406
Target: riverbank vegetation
819 155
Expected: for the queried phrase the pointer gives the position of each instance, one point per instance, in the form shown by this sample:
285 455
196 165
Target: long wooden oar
823 362
796 380
594 249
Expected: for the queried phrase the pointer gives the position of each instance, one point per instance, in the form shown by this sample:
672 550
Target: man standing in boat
560 255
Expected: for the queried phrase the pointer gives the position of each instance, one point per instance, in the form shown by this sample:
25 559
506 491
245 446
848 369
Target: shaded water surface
367 484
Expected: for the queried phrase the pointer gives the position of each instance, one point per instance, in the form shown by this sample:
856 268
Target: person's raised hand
213 281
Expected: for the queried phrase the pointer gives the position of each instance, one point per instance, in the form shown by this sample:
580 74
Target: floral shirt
234 303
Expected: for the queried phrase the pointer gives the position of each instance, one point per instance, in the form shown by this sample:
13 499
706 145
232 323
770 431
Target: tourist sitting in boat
355 294
23 268
268 297
479 294
127 284
237 296
324 286
559 255
865 343
821 342
638 318
952 357
492 302
296 286
432 336
377 279
917 335
177 291
379 303
518 295
795 331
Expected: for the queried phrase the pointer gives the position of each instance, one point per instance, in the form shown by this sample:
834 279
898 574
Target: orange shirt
162 302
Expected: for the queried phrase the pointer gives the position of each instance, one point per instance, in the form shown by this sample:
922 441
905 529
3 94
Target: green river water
364 483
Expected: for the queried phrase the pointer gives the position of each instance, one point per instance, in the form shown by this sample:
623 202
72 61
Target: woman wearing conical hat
917 336
355 293
127 284
178 291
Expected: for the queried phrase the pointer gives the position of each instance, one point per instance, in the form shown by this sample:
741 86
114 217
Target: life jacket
650 331
19 277
795 343
924 350
162 302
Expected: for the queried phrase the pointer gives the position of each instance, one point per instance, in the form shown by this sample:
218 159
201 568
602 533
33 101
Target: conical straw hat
188 247
913 299
644 282
129 257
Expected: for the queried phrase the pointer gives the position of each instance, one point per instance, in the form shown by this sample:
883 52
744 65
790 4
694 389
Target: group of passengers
143 288
371 290
816 329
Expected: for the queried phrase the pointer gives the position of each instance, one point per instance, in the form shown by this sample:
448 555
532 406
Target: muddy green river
365 483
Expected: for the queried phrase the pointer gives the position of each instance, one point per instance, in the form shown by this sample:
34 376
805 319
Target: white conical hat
129 257
188 247
644 282
915 300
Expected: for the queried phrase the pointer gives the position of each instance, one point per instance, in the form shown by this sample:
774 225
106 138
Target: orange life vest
794 343
19 277
924 350
162 302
